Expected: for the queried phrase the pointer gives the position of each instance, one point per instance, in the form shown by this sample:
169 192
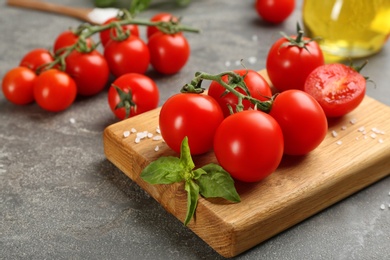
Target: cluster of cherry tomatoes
75 66
250 142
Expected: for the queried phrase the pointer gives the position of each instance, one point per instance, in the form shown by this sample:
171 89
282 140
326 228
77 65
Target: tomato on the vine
337 87
66 39
255 83
106 35
160 17
132 94
196 116
291 59
36 58
89 70
17 85
274 11
168 52
54 90
302 120
249 145
128 56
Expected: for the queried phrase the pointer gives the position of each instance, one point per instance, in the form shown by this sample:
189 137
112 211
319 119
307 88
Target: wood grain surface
354 154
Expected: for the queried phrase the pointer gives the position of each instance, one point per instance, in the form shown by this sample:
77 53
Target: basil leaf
217 183
192 199
104 3
197 173
165 170
185 156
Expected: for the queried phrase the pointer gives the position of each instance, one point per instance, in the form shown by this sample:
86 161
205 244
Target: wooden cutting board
355 154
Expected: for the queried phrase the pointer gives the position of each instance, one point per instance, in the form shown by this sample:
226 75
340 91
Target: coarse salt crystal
157 138
158 131
373 135
383 206
156 148
252 60
334 133
228 63
72 120
343 127
339 142
133 130
362 129
126 134
381 141
137 140
149 135
353 121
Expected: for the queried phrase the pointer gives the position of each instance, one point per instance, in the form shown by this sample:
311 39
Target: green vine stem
234 81
85 31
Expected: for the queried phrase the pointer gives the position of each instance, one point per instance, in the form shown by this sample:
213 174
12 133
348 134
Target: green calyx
234 80
299 41
126 101
209 181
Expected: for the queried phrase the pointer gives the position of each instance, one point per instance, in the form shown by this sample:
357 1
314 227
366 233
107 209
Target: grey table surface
60 198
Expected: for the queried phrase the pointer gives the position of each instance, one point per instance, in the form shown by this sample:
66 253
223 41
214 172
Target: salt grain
381 141
339 142
133 130
353 121
252 60
383 206
137 140
126 134
361 129
334 133
343 127
72 120
228 63
158 131
156 148
149 135
373 135
157 138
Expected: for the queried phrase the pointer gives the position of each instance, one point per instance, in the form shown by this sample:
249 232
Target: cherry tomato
249 145
66 39
338 88
105 35
256 84
17 85
289 65
160 17
54 90
89 70
302 120
196 116
127 56
168 52
137 93
36 58
274 11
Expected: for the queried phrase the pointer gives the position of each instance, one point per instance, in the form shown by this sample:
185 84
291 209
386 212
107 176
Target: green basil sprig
210 181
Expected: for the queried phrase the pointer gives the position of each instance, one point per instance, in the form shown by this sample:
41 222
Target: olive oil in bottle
348 28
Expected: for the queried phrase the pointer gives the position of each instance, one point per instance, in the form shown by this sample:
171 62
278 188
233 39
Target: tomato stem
234 81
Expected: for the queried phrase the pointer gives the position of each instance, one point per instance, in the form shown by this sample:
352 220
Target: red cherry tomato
36 58
89 70
168 52
54 90
302 120
105 35
256 84
196 116
127 56
338 88
249 145
66 39
274 11
160 17
17 85
289 65
137 93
